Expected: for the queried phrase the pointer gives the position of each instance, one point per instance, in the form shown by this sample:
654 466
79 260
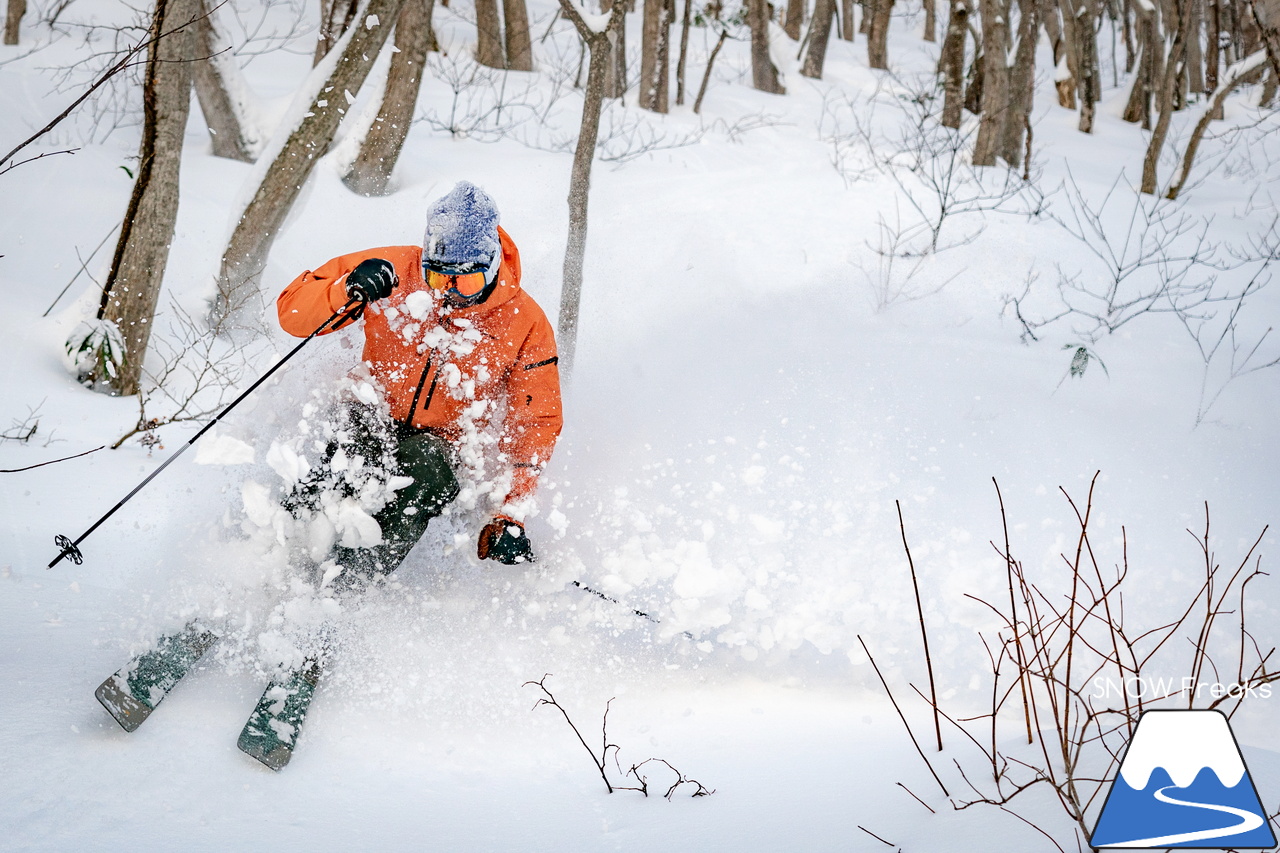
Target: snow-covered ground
751 397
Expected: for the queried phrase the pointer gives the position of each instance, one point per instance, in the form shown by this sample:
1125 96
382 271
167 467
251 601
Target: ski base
132 693
273 728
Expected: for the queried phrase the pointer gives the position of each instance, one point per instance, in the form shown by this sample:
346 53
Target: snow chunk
223 450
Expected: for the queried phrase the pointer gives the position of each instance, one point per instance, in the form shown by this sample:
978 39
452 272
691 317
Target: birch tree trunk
1176 56
995 82
519 45
220 90
600 45
1150 67
489 35
819 35
1021 85
951 64
1085 16
655 35
878 34
764 75
132 290
370 172
283 179
13 20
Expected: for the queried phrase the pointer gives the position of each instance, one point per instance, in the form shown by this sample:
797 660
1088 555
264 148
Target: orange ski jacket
448 370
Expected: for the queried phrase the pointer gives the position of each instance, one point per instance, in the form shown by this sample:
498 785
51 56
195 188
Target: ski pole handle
71 549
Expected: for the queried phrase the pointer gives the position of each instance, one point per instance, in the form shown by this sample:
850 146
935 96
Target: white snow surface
756 392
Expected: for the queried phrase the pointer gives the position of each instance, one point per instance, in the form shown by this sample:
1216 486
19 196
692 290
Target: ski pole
68 548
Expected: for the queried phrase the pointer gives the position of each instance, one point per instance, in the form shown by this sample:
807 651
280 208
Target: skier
456 346
453 340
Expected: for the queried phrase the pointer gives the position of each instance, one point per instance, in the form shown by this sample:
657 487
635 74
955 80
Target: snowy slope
743 417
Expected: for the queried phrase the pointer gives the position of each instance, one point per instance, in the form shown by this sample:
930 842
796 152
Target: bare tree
1021 86
370 172
764 75
518 43
489 35
1146 81
684 52
335 17
132 288
598 42
332 87
819 36
13 20
1177 56
655 40
930 20
951 64
880 12
1064 62
1084 16
1235 75
616 80
222 92
995 82
794 20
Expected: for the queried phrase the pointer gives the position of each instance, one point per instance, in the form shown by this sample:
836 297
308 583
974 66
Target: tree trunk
13 20
973 80
846 20
951 64
706 75
930 20
232 133
1236 75
684 52
1021 85
370 172
132 289
819 35
878 34
995 82
616 81
283 179
599 43
764 75
793 23
335 17
489 35
1088 75
655 39
1150 49
1176 56
1069 56
519 45
1195 56
1212 56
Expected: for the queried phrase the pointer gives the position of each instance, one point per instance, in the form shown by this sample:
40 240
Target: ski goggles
464 284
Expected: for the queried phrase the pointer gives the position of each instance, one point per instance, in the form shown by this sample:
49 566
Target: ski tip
274 756
121 704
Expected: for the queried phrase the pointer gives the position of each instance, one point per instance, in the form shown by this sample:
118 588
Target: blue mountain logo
1183 783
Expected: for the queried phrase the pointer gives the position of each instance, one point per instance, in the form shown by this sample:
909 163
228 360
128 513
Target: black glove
372 280
503 540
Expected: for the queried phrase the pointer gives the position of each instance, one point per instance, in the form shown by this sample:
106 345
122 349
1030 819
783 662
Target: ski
272 729
137 688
